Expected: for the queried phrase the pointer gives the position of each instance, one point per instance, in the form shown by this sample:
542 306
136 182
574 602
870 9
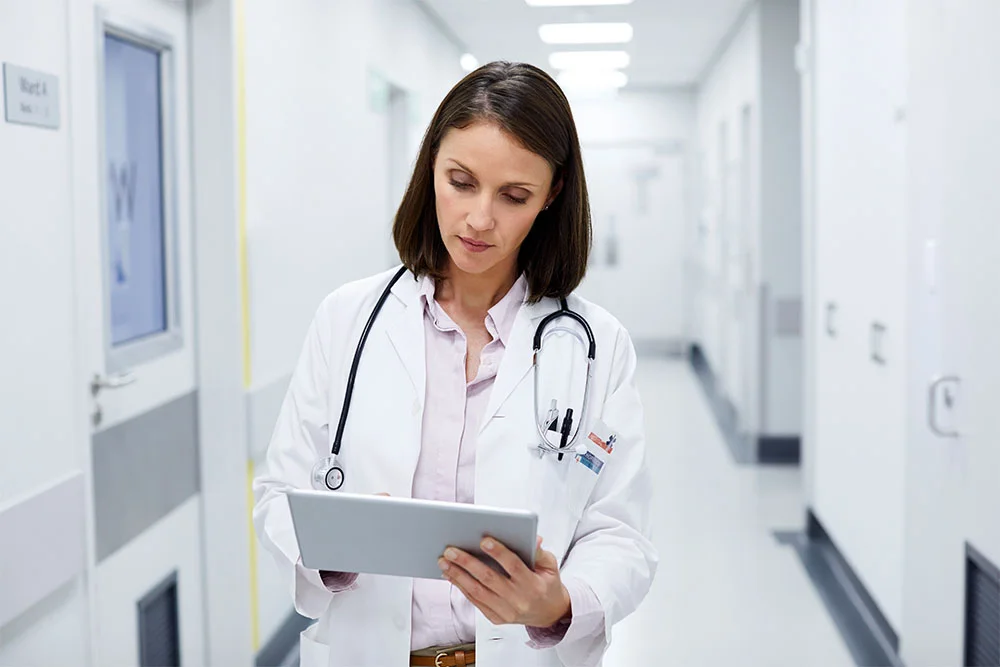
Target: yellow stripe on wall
241 171
254 596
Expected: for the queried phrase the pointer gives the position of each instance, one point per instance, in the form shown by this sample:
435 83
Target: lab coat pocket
564 488
312 653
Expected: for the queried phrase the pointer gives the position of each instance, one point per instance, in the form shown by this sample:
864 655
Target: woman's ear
554 192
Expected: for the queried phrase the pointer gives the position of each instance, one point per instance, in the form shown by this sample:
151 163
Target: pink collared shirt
454 407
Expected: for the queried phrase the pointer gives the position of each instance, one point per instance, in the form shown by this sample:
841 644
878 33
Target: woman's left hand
535 598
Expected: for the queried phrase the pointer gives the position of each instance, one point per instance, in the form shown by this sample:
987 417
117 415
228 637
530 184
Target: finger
507 559
482 597
480 571
462 585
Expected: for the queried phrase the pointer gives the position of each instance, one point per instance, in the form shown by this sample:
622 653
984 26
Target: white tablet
346 532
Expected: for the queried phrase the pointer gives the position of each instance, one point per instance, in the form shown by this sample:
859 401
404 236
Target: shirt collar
500 318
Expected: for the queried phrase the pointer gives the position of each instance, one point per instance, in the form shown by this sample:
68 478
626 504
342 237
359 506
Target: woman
494 230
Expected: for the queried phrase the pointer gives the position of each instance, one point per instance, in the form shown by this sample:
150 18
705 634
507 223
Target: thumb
545 560
382 494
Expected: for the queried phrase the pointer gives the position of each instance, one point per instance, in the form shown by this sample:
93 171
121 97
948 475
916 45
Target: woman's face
488 191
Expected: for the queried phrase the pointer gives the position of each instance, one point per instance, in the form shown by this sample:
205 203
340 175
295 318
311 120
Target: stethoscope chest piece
327 475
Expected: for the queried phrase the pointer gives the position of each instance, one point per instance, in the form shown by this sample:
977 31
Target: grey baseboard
284 641
869 636
744 447
779 449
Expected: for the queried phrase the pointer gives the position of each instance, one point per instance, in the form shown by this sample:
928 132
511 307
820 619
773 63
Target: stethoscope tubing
564 311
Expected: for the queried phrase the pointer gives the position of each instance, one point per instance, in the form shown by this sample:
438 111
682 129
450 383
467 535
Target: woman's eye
458 185
516 200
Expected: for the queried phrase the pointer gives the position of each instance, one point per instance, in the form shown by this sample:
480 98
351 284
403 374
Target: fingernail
451 554
443 564
488 545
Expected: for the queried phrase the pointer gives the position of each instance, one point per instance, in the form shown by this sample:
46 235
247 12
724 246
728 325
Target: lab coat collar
405 329
517 356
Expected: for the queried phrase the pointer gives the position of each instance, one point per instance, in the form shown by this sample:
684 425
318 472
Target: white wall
860 246
43 438
635 150
316 151
319 173
781 216
732 84
745 263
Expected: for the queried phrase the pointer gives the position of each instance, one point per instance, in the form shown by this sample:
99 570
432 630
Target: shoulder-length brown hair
530 107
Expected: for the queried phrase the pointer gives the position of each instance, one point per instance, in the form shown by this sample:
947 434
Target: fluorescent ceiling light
589 60
585 79
469 62
586 33
575 3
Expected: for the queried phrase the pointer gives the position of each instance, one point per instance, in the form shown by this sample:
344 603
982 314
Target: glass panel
135 209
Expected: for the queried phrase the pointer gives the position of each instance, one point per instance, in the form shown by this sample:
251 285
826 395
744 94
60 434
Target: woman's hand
535 598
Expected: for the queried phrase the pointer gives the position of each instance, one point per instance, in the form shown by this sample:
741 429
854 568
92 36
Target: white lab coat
597 525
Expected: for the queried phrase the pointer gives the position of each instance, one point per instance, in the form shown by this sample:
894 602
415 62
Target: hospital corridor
506 333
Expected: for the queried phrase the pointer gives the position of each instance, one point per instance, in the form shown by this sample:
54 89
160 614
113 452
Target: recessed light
469 62
589 59
586 33
586 80
575 3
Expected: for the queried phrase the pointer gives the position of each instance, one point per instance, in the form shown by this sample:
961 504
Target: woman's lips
474 246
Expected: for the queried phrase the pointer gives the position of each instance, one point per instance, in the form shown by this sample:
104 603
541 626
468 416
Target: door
132 230
42 488
746 297
637 206
953 458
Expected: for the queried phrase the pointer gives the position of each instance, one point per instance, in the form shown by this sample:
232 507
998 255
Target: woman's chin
475 264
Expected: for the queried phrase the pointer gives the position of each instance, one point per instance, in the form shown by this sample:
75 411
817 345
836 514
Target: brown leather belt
445 659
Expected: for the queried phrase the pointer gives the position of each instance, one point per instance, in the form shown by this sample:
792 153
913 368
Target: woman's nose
481 217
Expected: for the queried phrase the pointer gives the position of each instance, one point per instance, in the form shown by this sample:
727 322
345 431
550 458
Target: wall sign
32 98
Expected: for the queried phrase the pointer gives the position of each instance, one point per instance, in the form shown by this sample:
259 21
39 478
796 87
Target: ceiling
674 40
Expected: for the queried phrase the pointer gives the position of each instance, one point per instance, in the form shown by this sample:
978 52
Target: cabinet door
953 461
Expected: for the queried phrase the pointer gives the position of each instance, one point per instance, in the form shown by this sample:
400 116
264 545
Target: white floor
726 592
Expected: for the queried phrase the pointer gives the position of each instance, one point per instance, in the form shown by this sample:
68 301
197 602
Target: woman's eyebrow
506 185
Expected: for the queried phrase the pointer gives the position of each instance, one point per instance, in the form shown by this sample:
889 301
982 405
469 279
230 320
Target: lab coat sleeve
298 441
612 549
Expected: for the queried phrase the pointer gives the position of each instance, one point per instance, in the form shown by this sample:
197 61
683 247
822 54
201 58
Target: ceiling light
575 3
586 79
586 33
469 62
589 59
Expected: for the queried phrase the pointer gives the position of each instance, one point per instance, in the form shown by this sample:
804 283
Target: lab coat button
416 408
399 621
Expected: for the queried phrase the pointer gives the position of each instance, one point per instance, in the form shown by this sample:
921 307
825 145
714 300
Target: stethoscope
326 474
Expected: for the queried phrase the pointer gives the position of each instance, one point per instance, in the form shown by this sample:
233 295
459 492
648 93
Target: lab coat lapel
406 334
517 355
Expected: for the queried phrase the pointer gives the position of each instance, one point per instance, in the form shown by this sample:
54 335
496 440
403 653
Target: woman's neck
475 293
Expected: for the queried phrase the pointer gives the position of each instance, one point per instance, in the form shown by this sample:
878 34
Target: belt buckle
438 658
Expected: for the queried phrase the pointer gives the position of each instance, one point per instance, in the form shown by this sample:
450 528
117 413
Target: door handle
932 403
831 310
877 334
115 381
